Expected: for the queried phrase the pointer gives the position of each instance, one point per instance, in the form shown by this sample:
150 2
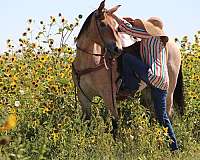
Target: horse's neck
85 60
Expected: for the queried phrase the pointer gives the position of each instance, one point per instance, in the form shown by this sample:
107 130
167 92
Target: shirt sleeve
133 31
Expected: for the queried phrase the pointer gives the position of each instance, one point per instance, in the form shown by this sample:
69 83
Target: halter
108 52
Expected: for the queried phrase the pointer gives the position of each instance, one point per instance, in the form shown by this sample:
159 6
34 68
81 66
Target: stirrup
118 84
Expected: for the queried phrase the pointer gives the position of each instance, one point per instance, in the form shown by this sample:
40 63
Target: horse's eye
102 24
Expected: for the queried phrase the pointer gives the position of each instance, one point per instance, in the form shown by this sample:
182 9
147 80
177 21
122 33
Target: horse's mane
85 25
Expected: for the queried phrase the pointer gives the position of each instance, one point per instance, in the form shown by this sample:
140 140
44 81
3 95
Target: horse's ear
101 10
101 6
114 9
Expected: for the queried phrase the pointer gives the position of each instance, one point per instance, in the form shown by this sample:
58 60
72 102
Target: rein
98 67
85 51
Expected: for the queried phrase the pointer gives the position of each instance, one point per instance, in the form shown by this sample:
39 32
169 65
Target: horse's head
101 28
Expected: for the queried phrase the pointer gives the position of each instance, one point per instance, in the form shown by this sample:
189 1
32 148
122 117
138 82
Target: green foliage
35 81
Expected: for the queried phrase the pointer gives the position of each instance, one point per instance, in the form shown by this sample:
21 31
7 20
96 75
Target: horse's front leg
84 96
85 105
110 102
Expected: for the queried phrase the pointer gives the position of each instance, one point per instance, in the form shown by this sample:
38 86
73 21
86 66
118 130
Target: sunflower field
40 119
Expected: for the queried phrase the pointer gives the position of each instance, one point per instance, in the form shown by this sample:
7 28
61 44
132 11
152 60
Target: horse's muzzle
113 50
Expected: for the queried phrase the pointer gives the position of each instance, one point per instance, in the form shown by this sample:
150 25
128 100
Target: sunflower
24 34
53 19
5 140
158 132
45 110
34 83
10 123
30 21
55 135
63 20
69 49
160 141
1 84
14 78
70 59
34 45
50 78
13 85
40 66
62 75
165 131
54 88
50 69
43 58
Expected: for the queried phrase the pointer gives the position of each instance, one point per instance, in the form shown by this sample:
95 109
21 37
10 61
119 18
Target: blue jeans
131 65
159 99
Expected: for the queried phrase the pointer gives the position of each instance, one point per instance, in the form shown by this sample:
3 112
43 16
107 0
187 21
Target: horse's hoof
114 134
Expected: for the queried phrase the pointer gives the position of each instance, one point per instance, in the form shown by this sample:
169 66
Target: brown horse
95 74
92 74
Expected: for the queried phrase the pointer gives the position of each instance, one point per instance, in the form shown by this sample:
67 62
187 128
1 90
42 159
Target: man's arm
131 30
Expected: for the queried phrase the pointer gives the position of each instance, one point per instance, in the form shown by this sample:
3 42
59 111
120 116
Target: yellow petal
10 123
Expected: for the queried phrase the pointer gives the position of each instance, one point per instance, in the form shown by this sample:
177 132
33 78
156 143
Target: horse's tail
179 93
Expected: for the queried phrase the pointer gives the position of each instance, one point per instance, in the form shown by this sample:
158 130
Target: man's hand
164 40
119 30
130 20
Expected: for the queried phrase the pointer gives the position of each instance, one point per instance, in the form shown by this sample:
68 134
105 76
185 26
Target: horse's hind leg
173 74
170 109
85 105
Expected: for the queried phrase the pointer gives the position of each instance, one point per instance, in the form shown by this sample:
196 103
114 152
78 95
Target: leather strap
89 70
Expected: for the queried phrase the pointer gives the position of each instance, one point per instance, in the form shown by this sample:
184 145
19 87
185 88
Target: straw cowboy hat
154 25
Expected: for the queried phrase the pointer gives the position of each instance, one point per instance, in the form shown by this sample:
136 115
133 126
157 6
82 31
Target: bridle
106 48
106 59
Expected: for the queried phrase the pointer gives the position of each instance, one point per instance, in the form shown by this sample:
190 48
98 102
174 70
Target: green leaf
60 30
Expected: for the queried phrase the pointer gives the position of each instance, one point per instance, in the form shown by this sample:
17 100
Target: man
152 69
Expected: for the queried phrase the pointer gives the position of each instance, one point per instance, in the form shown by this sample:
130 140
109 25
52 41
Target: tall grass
36 88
